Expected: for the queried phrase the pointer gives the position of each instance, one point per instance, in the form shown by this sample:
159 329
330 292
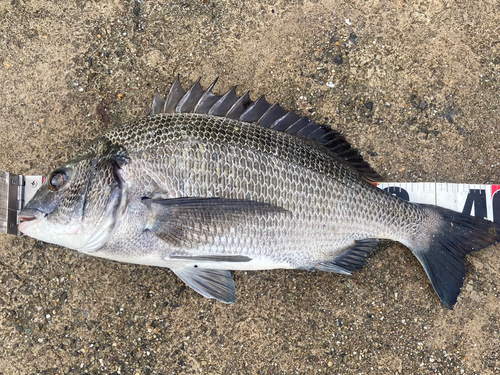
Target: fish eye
57 180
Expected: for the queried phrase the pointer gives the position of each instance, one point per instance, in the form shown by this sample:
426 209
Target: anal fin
217 284
352 259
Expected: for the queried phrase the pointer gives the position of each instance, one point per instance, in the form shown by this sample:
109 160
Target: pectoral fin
189 222
209 283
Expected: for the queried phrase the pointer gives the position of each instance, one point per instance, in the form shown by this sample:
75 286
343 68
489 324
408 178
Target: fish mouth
29 214
27 217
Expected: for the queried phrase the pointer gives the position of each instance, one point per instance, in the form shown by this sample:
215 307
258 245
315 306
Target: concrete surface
430 69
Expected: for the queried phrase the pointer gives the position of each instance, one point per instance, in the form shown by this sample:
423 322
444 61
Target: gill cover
113 212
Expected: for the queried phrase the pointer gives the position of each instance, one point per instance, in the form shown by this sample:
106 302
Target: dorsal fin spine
206 98
297 125
175 94
158 104
282 123
190 99
271 115
239 106
221 106
255 110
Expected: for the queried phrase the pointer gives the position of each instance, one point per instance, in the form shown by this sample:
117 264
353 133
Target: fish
206 184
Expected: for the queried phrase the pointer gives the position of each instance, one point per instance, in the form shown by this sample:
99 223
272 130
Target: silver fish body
202 194
325 206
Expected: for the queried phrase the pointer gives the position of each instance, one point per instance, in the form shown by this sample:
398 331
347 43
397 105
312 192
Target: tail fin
442 254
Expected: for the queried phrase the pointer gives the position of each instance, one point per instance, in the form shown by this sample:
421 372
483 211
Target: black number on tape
478 199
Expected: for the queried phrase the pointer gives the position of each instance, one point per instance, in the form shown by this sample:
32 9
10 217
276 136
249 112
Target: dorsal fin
267 115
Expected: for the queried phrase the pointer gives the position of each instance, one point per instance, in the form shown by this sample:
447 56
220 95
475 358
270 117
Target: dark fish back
155 131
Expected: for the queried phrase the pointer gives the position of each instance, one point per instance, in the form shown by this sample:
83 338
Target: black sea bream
208 184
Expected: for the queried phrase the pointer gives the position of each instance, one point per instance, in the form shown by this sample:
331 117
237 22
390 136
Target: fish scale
198 188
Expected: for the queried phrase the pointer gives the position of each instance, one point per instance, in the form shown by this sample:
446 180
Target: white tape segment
476 200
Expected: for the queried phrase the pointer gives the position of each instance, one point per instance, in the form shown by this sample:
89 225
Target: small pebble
338 59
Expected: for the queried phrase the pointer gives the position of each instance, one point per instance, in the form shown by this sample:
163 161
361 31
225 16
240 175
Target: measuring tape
471 199
15 192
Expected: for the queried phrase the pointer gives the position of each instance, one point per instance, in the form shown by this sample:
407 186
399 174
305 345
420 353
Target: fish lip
26 218
29 214
27 222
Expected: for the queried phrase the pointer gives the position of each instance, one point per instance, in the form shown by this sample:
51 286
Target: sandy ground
430 69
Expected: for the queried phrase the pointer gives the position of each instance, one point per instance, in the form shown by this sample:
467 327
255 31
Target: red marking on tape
494 189
43 179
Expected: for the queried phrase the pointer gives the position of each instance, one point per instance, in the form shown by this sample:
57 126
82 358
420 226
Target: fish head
79 205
